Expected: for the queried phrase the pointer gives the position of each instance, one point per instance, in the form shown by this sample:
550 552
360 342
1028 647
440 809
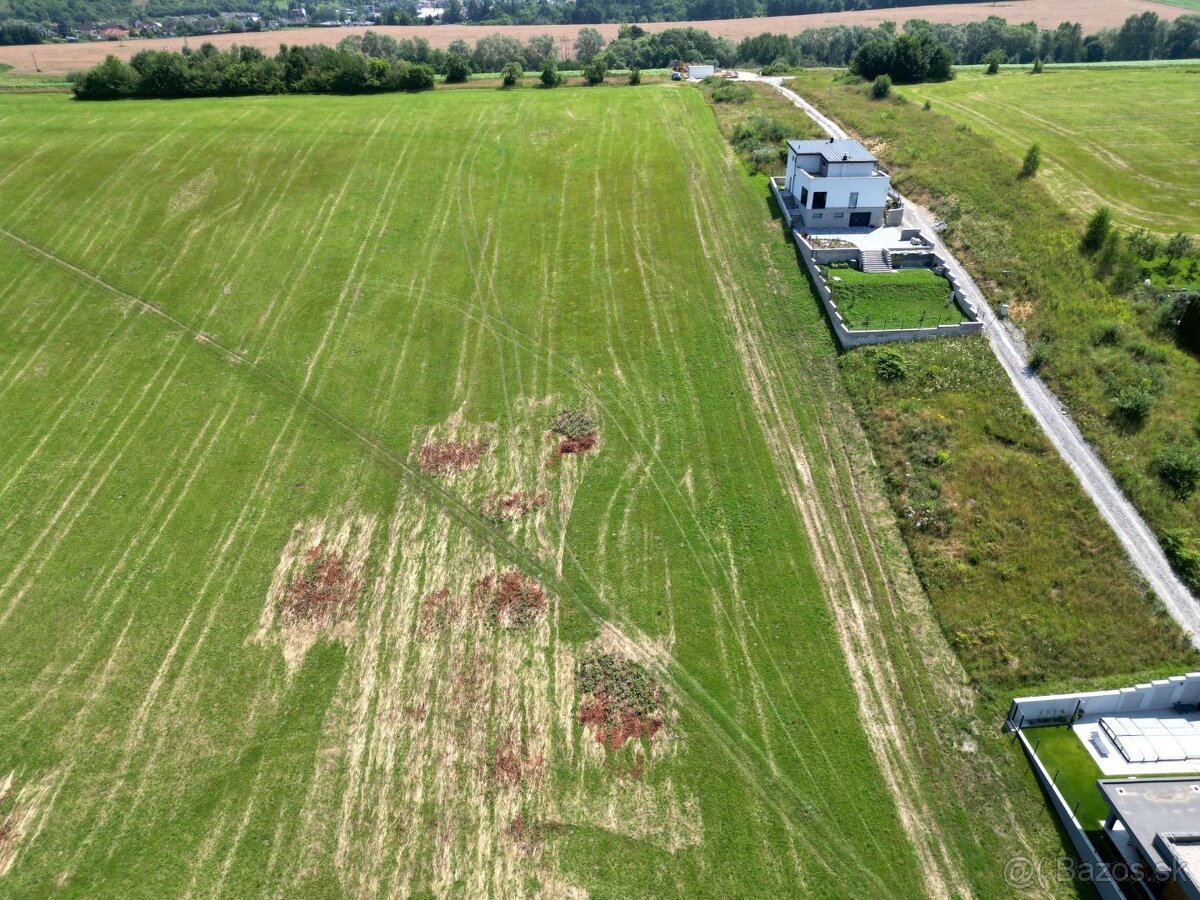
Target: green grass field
1110 137
911 298
241 355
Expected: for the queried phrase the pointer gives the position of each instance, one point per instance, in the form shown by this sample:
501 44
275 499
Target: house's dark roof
833 151
1155 808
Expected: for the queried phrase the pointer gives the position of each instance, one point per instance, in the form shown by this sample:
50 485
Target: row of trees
1142 37
907 59
242 71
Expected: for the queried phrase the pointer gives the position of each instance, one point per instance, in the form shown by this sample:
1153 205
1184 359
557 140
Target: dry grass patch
506 507
449 457
510 599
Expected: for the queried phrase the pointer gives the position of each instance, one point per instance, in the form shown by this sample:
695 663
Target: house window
819 199
854 200
839 215
803 195
817 215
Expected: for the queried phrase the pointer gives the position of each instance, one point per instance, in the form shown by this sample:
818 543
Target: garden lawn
908 298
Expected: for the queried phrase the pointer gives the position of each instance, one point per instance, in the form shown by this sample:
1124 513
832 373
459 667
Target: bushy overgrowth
243 71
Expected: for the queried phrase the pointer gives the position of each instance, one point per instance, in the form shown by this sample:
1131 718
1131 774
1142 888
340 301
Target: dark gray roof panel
833 151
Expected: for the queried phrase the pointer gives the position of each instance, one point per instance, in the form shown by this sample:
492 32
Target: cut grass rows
180 712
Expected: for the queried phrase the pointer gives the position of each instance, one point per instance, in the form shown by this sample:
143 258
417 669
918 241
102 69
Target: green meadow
1117 137
278 379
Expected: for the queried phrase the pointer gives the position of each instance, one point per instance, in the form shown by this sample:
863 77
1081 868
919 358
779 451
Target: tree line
243 71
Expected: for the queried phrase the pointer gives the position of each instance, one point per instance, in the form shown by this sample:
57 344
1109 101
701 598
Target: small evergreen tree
994 60
1037 66
1033 162
881 87
1097 231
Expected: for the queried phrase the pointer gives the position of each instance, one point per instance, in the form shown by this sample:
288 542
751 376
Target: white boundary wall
1088 855
1162 694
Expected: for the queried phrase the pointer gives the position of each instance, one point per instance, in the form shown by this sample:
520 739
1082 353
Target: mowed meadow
1116 137
301 595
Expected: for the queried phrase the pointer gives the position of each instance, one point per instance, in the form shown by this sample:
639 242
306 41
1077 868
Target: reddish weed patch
321 590
619 701
578 432
435 612
510 599
505 507
448 457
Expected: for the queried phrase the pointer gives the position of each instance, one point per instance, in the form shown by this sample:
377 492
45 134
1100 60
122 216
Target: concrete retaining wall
814 257
848 338
1088 855
1163 694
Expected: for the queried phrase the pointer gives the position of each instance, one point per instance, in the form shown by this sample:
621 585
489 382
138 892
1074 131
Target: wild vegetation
1129 386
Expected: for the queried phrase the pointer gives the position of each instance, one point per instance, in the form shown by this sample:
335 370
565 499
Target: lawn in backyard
905 298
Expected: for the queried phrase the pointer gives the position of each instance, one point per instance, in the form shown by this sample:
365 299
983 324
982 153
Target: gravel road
1131 529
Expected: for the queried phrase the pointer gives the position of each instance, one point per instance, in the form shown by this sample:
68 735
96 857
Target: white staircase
875 261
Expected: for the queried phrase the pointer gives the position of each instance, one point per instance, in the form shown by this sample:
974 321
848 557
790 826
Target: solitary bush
881 87
1179 467
1098 228
994 60
928 105
890 366
1037 66
1033 162
595 72
730 92
458 69
550 74
635 76
512 74
1134 402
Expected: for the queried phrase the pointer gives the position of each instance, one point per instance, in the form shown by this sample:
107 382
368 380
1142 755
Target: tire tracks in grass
744 753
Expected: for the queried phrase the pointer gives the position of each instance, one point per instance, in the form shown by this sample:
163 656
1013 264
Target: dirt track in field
58 59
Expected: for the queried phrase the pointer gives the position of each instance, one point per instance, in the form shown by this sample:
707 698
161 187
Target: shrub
511 74
458 69
1098 227
1144 244
1032 162
731 92
1037 66
1107 334
595 72
112 79
928 105
1039 355
994 60
419 77
1179 467
881 87
1134 402
550 74
635 76
890 366
1185 560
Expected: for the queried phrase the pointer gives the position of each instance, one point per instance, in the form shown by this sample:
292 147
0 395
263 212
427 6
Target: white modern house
836 184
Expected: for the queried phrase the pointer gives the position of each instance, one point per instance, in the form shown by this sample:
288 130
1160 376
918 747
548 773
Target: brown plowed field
1093 14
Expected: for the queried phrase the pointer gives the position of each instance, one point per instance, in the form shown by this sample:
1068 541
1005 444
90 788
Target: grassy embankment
444 272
